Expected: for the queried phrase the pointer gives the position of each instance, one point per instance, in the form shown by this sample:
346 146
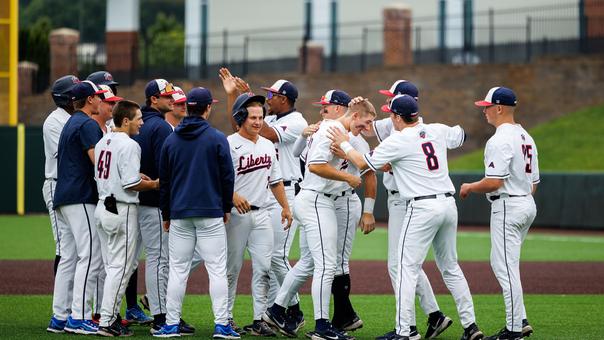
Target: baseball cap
62 87
402 105
108 96
402 87
334 97
159 87
498 96
102 78
246 98
85 89
179 95
283 87
200 96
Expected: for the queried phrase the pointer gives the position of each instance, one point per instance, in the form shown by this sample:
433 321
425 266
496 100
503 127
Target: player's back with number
511 154
422 151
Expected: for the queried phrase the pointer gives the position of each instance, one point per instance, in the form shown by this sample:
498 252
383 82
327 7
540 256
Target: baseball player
155 240
196 197
117 164
283 125
179 110
511 178
334 104
134 313
314 208
418 158
74 201
256 167
397 208
51 131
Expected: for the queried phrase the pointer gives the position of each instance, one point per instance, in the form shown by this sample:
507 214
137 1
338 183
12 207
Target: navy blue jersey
75 179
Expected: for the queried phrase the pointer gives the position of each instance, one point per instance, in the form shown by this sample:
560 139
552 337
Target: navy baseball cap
159 87
334 97
402 105
498 96
102 78
283 87
402 87
200 96
85 89
62 87
246 98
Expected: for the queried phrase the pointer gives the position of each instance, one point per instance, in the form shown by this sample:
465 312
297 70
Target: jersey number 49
104 164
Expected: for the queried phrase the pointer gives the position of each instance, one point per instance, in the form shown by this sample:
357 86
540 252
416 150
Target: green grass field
552 316
34 232
569 143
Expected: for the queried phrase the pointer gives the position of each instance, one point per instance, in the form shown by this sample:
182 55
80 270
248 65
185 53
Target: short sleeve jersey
418 156
511 155
75 178
361 145
117 167
51 132
319 153
288 128
256 166
383 128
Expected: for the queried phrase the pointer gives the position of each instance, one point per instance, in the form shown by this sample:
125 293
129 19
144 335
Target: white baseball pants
48 193
430 222
119 237
397 208
209 235
283 240
511 219
80 246
348 214
254 231
318 251
155 243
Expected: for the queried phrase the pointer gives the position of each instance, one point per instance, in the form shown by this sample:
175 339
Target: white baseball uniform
256 167
418 156
287 127
51 131
314 209
511 155
397 208
117 164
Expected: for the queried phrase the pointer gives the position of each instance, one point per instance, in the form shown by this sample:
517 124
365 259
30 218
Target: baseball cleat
225 332
238 329
136 315
80 326
116 329
504 334
351 325
167 331
329 333
261 328
185 328
472 332
295 319
413 333
279 321
437 325
56 325
527 330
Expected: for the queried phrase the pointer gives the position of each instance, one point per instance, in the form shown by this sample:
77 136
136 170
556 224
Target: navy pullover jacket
196 173
151 138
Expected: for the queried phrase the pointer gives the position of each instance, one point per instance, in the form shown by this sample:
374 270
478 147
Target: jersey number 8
104 164
431 159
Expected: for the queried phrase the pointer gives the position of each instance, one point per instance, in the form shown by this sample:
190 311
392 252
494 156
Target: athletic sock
131 290
280 310
321 324
336 291
343 306
434 316
159 319
57 260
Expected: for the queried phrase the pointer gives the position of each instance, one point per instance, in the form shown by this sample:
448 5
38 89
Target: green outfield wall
564 200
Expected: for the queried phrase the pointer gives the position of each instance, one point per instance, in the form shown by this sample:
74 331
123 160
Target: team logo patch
422 134
284 127
75 80
491 165
522 136
108 141
108 76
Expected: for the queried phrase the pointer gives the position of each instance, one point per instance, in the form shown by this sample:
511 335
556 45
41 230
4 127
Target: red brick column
314 58
63 52
122 55
397 35
27 75
594 11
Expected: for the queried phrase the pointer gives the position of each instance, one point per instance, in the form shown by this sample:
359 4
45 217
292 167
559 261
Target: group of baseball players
121 178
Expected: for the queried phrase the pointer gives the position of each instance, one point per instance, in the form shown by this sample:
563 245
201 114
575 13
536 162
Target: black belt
343 193
393 192
496 197
253 207
290 183
430 197
51 179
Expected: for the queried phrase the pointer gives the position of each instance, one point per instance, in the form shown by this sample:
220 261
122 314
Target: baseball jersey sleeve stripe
276 181
377 134
278 133
537 181
463 137
131 184
317 161
497 176
366 157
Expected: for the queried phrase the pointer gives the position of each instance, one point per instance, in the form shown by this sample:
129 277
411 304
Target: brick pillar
594 11
28 72
122 55
63 52
397 35
314 58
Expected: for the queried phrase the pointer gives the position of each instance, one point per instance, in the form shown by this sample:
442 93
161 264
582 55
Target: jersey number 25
104 164
528 157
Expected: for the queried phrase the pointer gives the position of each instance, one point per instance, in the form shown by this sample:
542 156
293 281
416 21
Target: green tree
34 47
165 43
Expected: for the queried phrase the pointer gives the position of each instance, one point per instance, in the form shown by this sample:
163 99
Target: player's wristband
368 206
346 147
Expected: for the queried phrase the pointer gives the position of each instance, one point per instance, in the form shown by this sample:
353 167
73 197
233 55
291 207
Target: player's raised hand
310 130
242 85
367 223
286 215
241 204
337 136
353 181
228 81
